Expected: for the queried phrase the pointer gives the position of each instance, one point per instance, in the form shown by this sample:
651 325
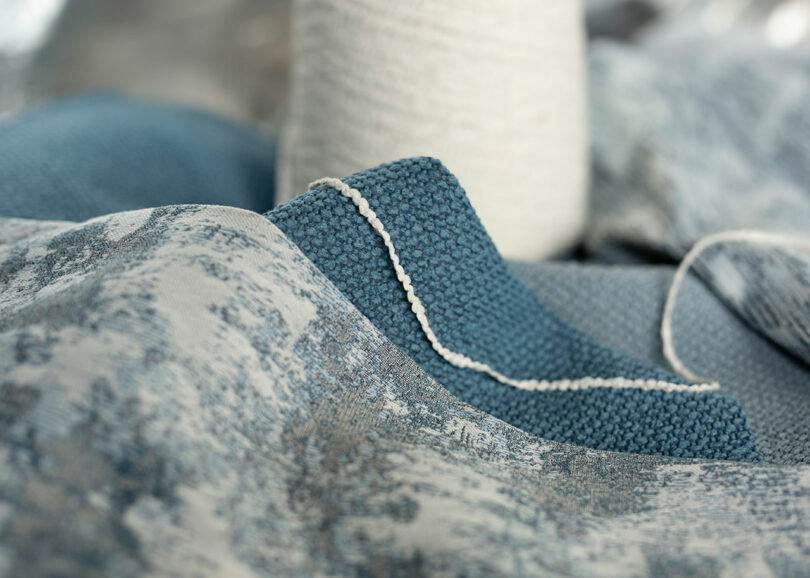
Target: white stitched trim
462 361
740 236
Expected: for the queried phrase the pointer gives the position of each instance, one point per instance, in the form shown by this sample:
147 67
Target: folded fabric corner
519 361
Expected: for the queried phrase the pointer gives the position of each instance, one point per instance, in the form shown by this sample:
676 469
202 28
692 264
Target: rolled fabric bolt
496 90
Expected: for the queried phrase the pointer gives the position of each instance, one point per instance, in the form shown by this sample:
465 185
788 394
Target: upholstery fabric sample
478 307
240 417
621 306
89 156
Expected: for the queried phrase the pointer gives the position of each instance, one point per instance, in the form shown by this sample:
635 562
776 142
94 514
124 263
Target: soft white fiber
493 89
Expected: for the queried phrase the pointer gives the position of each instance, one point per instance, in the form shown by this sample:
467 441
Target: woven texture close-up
359 288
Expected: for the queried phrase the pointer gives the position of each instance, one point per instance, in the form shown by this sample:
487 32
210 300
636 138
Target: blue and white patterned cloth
203 390
185 393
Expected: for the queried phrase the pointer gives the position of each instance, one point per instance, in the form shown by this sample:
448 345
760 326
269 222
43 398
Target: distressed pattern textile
695 134
769 285
184 393
478 308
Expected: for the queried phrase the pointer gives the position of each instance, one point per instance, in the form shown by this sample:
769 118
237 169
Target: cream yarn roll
493 89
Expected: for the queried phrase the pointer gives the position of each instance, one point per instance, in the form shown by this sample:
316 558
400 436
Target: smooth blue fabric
80 158
478 307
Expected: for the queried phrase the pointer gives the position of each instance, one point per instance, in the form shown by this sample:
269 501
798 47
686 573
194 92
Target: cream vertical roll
496 90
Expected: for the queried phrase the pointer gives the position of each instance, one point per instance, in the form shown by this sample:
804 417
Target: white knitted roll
493 89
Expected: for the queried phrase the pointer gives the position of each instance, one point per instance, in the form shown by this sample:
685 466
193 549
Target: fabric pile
479 308
357 383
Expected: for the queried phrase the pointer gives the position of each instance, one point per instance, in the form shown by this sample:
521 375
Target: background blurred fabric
93 155
228 56
233 56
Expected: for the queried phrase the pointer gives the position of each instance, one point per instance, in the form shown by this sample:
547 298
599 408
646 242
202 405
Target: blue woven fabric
478 307
621 307
90 156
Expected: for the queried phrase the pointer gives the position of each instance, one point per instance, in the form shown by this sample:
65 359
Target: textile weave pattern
477 307
621 307
240 417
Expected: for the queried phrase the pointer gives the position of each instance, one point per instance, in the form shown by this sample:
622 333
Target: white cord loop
739 236
462 361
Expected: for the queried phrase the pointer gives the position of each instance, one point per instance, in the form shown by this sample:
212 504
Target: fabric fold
621 307
480 309
241 417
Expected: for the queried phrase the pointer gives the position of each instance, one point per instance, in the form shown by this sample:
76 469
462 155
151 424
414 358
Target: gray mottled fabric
769 285
622 306
185 394
694 134
694 137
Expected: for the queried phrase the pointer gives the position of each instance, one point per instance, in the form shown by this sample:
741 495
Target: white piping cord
739 236
462 361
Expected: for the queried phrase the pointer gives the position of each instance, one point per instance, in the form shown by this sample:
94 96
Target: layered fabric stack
356 382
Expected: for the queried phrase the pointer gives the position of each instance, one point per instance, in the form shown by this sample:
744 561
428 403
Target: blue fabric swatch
89 156
479 308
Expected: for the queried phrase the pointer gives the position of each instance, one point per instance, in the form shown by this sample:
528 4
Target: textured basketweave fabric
621 307
477 307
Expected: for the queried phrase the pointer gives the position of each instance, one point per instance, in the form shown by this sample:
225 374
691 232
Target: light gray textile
622 306
185 394
769 285
694 134
226 56
697 137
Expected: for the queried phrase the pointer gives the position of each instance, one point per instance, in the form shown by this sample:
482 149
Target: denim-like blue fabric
478 307
89 156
